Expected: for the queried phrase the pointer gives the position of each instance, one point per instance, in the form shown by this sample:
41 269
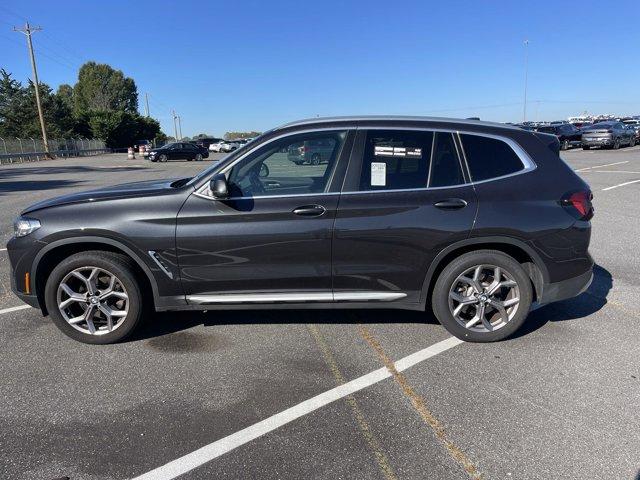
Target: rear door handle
310 210
451 204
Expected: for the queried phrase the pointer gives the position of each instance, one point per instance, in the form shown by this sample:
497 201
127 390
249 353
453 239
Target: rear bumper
569 288
597 142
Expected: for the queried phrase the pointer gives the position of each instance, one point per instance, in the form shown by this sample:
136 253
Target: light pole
526 74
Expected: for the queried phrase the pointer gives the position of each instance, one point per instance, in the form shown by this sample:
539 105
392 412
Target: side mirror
218 186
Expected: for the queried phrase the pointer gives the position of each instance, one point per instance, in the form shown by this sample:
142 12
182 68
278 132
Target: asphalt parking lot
560 400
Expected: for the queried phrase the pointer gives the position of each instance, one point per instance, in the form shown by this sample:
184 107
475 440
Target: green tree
103 88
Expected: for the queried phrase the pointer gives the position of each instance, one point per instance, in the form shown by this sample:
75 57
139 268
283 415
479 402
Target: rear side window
396 159
445 166
489 157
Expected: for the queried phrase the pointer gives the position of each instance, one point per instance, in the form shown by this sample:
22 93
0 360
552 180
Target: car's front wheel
198 157
162 158
94 297
482 296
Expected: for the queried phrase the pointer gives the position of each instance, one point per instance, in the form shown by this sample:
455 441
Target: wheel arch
520 251
47 258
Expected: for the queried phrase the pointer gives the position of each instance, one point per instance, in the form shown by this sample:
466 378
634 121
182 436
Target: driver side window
295 165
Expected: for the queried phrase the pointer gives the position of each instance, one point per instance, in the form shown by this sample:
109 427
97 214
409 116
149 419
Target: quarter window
295 165
489 157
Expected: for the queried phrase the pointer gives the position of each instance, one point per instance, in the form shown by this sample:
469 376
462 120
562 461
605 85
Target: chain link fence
18 150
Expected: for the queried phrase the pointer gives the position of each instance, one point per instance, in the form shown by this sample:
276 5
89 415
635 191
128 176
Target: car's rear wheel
162 158
482 296
315 159
564 145
632 142
198 157
586 147
94 297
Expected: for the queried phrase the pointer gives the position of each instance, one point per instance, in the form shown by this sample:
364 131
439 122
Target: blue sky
252 65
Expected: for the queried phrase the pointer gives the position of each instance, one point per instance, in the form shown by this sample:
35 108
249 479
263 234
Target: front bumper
569 288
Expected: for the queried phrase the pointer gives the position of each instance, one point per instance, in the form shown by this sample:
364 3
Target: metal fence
18 150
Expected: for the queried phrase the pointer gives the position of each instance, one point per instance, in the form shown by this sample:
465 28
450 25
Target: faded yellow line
369 436
420 405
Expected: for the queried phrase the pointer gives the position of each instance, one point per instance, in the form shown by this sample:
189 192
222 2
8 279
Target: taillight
579 204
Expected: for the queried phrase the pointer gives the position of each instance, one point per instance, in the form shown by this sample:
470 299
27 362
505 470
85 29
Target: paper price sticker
378 174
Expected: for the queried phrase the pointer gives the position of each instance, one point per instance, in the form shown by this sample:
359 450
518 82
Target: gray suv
607 134
312 152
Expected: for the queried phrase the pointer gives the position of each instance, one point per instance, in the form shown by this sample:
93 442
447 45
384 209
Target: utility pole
175 126
179 127
146 104
28 30
526 74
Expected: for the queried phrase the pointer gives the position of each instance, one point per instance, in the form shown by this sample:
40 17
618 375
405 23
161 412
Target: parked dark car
475 221
311 152
635 127
178 151
607 135
568 135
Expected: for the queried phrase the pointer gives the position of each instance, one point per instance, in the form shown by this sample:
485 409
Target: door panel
273 237
388 228
256 245
385 241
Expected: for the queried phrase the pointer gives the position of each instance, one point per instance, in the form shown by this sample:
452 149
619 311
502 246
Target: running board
235 298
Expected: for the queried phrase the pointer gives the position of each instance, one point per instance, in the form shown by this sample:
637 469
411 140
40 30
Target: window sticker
412 152
378 174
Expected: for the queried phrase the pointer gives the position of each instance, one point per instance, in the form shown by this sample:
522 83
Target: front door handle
310 210
451 204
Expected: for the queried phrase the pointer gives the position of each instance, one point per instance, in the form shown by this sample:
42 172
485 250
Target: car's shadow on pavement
573 309
165 323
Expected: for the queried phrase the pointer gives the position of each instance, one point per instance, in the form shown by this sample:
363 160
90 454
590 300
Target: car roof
320 121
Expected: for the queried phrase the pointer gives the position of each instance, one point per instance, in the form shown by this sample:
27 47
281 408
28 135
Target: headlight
24 226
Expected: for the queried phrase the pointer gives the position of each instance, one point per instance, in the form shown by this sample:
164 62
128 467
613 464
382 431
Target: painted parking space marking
600 166
3 249
620 185
14 309
212 451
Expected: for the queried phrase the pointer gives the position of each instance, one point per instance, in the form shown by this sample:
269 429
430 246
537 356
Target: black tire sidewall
440 296
117 265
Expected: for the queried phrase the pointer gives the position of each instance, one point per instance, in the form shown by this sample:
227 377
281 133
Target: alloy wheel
484 298
92 300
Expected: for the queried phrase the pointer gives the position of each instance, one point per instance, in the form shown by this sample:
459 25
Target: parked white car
229 146
216 147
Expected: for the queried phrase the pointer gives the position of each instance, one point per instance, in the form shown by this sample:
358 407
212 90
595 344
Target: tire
517 285
586 147
632 142
162 158
616 144
198 157
125 286
564 145
315 159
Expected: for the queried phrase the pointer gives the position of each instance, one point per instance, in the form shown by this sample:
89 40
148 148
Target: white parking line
3 249
600 166
209 452
14 309
620 185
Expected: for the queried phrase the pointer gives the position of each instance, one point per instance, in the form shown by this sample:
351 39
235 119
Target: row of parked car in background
225 146
609 133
